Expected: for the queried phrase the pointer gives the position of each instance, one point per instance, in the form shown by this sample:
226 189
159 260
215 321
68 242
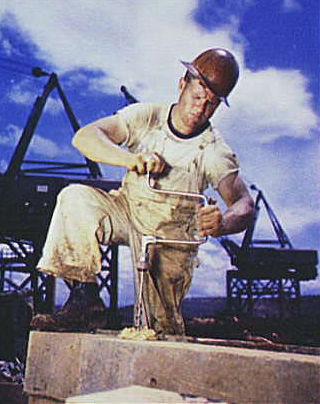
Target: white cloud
139 44
20 94
7 47
3 164
53 106
10 136
293 220
298 217
209 277
46 147
270 104
39 145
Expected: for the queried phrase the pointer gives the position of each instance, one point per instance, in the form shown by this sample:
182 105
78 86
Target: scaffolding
272 272
28 191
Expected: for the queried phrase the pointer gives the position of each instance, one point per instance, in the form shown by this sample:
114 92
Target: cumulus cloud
10 136
46 147
21 94
39 145
270 104
293 219
18 96
139 44
209 277
53 106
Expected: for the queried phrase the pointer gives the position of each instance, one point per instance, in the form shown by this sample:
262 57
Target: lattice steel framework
273 271
243 292
28 191
18 260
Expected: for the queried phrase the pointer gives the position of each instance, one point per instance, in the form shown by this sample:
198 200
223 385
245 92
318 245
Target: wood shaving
143 335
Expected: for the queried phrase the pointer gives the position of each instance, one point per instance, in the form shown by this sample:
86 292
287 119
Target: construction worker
178 145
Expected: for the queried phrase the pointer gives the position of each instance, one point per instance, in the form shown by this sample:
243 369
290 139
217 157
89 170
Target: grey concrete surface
61 365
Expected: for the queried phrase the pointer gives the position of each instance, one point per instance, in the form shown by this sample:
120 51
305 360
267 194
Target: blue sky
97 46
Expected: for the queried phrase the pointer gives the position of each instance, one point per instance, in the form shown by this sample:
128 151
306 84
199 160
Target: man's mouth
195 117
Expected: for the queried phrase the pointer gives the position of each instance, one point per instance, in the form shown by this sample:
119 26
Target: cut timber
61 365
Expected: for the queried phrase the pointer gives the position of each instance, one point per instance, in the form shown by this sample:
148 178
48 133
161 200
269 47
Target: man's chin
194 124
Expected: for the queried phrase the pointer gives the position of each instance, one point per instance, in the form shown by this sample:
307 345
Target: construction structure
28 192
267 268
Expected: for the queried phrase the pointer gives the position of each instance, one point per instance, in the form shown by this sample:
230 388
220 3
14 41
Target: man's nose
200 106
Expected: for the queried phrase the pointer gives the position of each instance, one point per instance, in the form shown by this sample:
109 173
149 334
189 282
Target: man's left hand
210 221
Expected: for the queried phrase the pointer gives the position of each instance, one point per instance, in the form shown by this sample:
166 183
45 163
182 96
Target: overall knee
71 193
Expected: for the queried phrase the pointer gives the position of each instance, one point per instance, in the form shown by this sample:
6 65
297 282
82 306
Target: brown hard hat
217 69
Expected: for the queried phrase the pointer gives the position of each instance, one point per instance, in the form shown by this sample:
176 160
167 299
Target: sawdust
134 334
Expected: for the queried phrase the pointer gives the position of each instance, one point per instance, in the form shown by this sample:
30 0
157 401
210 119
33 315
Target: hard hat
217 69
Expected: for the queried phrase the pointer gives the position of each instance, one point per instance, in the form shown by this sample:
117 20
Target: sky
95 46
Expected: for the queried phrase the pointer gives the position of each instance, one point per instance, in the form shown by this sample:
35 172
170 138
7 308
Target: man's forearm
237 217
96 145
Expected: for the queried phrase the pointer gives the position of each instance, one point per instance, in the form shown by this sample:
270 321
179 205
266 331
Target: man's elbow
247 213
75 139
78 140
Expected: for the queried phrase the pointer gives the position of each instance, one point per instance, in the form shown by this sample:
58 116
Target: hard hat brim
195 73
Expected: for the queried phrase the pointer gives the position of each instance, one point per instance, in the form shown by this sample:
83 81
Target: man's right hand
147 162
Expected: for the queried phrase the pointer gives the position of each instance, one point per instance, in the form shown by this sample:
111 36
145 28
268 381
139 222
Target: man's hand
143 162
210 221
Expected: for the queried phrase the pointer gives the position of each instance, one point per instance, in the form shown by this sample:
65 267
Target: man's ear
182 84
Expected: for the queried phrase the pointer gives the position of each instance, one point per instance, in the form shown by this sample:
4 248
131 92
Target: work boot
83 311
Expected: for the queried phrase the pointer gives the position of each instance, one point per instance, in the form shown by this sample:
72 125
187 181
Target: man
177 144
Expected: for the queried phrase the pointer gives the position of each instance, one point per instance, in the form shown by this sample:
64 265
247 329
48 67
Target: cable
17 66
7 60
15 70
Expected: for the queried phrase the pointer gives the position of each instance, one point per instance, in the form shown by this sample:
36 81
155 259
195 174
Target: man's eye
212 103
197 97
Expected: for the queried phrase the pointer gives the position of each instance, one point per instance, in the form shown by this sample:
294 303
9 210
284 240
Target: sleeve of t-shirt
220 161
137 119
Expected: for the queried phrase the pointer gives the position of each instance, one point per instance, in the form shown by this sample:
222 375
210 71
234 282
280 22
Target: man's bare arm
100 140
238 215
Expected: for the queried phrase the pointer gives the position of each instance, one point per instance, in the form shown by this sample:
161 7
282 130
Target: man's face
197 103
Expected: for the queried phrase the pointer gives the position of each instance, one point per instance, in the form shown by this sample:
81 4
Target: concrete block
136 395
61 365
